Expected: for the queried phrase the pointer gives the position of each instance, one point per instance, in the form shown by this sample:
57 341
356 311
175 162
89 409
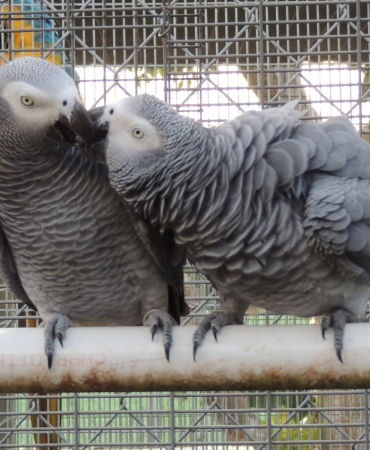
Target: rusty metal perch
125 358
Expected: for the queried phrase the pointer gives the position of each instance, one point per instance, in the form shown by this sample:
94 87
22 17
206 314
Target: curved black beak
95 114
100 128
96 151
76 129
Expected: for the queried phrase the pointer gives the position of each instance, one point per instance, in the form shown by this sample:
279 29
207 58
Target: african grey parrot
68 247
275 212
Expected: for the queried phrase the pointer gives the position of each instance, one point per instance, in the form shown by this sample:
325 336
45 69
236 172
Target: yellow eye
137 133
27 101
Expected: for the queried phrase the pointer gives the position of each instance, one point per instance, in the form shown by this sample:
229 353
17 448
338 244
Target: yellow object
33 35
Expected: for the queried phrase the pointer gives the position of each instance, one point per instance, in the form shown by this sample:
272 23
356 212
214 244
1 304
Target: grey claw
160 319
197 339
167 347
55 326
337 318
154 330
326 323
215 321
200 332
339 354
214 331
60 338
195 348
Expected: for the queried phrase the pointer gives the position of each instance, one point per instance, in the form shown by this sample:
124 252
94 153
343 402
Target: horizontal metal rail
125 359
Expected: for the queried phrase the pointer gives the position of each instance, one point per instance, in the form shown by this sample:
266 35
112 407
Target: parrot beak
100 128
76 128
96 151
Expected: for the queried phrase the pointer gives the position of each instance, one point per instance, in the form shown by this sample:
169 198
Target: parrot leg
337 318
55 326
214 321
156 318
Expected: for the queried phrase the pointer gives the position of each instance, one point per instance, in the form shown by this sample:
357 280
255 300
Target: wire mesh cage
211 60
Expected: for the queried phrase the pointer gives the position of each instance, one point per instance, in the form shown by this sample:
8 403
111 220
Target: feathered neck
164 187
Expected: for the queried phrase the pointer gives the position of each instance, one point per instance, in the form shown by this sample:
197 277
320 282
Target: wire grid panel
211 60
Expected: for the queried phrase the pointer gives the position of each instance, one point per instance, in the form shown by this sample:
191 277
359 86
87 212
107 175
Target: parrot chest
76 251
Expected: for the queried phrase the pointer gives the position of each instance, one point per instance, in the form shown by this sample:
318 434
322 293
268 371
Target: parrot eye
27 101
138 133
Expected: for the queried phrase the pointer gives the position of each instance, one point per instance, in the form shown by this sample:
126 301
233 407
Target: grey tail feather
292 105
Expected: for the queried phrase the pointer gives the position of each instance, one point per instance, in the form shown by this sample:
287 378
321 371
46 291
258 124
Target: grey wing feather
9 272
332 147
315 160
338 207
337 223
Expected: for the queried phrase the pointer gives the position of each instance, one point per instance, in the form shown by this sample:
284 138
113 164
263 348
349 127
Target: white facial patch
129 134
35 107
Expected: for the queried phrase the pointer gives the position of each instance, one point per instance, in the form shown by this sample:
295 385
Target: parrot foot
337 318
55 326
156 318
214 322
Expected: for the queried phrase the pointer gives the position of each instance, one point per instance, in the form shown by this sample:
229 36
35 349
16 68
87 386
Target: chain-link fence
211 60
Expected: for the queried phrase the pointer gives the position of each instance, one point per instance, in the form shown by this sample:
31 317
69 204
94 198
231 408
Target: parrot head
139 132
129 133
42 102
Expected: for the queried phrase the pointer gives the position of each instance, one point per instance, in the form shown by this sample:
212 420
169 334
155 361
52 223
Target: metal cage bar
211 60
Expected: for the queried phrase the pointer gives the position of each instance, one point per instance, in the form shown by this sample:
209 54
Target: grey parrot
273 210
68 245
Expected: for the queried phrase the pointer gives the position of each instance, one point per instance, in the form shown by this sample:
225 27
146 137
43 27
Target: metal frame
211 60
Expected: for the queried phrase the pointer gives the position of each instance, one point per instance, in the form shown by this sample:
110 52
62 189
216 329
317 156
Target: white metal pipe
125 359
